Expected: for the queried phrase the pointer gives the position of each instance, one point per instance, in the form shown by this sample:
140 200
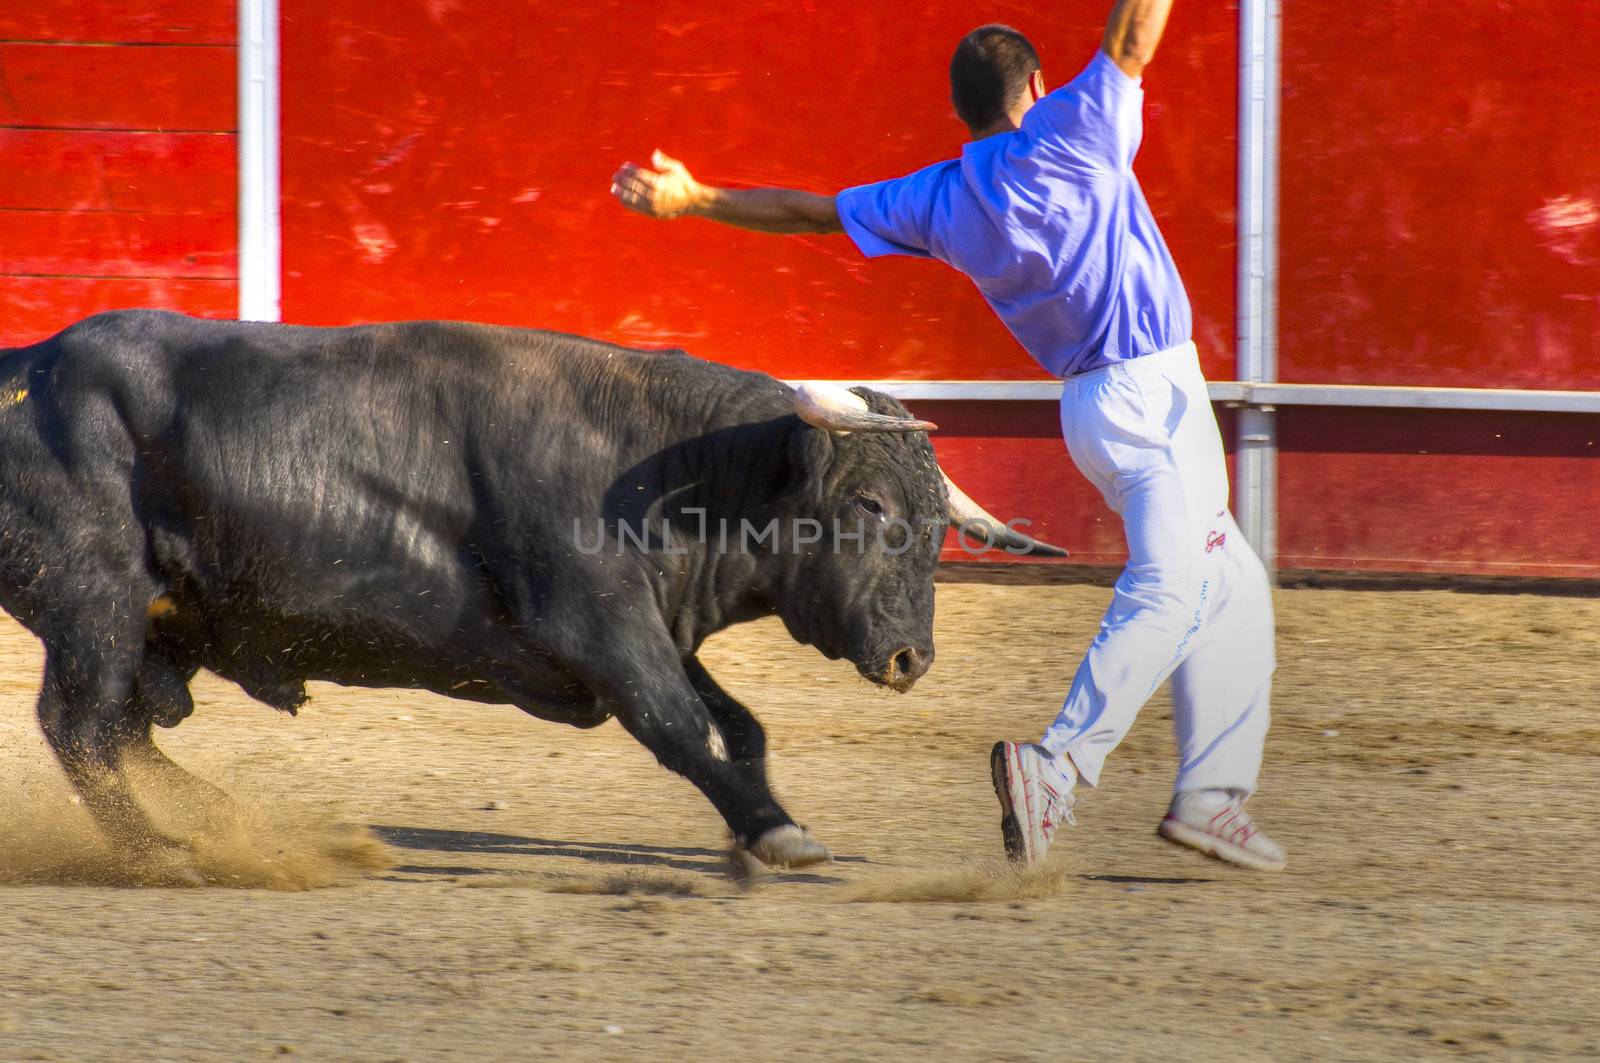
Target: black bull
496 515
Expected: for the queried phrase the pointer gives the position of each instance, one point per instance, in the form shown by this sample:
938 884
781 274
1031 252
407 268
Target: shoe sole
1016 842
1180 833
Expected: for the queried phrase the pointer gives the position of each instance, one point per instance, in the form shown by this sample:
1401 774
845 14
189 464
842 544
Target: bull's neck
722 472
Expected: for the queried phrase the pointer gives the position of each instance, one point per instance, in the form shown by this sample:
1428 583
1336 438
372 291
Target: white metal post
260 249
1256 459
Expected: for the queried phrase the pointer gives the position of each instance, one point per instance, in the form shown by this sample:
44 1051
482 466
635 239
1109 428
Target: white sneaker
1035 792
1224 831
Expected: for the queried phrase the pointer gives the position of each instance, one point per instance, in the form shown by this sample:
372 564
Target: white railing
260 242
1264 395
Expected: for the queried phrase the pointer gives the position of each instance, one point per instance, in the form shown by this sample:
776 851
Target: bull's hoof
789 846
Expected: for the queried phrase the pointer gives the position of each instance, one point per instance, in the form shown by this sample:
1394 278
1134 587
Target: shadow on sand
1147 880
710 862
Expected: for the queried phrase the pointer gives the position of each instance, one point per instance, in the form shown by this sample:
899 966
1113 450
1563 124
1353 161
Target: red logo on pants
1215 539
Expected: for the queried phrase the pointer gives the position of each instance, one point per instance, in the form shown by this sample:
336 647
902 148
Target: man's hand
667 191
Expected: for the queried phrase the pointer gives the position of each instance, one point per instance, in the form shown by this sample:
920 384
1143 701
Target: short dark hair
989 73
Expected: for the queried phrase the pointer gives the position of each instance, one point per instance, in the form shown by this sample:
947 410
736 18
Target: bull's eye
867 504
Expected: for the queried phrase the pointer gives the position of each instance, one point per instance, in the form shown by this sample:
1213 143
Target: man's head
994 79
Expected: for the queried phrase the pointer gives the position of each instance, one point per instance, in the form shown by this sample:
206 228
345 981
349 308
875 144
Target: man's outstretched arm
669 191
1133 31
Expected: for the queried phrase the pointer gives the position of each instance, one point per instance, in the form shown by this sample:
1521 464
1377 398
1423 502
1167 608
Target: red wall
1441 194
1440 216
117 183
452 159
1499 494
1440 226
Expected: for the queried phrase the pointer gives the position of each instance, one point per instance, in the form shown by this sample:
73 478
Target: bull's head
869 478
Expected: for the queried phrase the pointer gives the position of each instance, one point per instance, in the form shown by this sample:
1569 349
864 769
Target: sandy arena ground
550 893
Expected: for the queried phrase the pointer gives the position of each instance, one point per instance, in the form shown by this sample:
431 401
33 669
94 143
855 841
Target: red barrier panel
106 244
67 86
1500 494
1440 226
153 173
140 22
104 201
1440 217
37 307
1441 194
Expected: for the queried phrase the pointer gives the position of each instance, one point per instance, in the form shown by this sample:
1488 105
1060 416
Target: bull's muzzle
904 667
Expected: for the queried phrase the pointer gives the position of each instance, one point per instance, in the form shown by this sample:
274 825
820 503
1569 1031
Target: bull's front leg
745 738
652 696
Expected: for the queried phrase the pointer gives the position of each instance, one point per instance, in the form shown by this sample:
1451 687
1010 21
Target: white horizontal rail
981 390
1248 394
1411 398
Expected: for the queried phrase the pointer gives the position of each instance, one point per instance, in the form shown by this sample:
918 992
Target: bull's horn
969 518
838 409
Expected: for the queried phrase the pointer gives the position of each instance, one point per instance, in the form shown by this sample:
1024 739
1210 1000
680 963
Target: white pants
1194 602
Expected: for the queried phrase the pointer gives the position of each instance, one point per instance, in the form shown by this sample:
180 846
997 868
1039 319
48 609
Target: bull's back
284 458
315 466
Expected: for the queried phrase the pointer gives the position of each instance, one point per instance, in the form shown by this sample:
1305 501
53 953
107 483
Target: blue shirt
1050 223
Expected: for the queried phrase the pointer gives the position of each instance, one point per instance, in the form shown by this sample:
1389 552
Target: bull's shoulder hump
131 332
178 338
466 341
123 338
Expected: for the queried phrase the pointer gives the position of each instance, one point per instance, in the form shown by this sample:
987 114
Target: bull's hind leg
84 710
140 753
161 697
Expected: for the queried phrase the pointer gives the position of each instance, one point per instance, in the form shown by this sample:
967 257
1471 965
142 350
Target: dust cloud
250 839
980 880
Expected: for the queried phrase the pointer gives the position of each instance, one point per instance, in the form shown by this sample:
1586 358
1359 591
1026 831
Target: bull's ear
810 455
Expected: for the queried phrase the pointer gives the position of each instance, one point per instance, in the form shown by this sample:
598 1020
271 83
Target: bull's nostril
905 662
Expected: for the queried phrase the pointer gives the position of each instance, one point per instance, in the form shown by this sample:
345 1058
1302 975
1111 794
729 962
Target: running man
1043 212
